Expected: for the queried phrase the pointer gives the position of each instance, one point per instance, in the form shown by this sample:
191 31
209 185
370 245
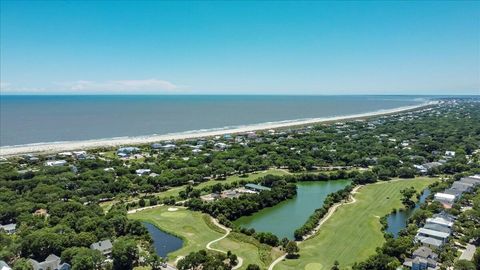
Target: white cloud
148 85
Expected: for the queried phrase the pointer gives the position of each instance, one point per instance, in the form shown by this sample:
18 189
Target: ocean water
41 119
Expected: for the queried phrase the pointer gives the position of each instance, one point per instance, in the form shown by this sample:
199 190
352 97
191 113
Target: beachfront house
9 228
423 258
126 151
55 163
52 262
104 246
257 188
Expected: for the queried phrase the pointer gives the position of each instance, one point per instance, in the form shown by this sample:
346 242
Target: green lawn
188 225
247 247
354 232
196 230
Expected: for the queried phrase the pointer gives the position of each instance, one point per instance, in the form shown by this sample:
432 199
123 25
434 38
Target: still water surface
163 242
284 218
398 221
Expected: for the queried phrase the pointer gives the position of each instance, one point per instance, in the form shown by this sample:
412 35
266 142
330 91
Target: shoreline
55 147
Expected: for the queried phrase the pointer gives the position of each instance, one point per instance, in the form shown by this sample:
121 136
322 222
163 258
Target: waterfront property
354 231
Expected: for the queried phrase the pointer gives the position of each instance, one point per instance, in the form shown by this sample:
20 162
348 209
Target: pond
397 221
163 242
284 218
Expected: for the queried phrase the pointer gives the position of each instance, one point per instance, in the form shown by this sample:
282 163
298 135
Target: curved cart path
227 232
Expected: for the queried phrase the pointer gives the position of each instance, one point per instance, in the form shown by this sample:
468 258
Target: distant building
52 262
125 151
9 228
105 247
55 163
256 187
140 172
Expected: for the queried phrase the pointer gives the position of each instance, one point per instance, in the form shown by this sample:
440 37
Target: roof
102 245
444 196
437 227
441 221
257 187
433 233
4 266
429 241
424 252
468 253
8 227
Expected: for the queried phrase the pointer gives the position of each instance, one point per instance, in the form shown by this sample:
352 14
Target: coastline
55 147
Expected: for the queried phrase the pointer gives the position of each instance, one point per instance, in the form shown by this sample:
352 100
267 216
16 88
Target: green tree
124 253
291 249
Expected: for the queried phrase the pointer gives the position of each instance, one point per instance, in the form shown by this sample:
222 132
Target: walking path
320 223
227 232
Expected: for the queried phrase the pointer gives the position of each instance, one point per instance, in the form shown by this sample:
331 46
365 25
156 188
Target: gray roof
424 252
454 192
437 227
433 233
4 265
429 241
472 180
51 262
102 245
468 253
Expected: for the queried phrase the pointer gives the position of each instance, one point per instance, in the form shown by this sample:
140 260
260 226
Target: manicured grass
247 247
188 225
196 230
354 231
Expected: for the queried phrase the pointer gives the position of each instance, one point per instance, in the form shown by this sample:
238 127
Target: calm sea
37 119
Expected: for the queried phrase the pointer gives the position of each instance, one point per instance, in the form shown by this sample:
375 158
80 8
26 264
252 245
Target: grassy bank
197 230
354 231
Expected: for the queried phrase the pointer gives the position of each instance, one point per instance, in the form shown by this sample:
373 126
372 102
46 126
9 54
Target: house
125 151
141 172
431 237
468 253
80 154
423 258
9 228
41 213
52 262
450 153
104 246
220 146
446 199
55 163
4 266
257 188
444 220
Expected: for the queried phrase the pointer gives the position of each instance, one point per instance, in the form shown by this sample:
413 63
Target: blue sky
240 47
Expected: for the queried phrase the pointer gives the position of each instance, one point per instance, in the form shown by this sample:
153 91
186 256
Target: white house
140 172
55 163
9 228
445 199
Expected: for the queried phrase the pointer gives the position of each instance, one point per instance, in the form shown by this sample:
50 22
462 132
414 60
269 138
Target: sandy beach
55 147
